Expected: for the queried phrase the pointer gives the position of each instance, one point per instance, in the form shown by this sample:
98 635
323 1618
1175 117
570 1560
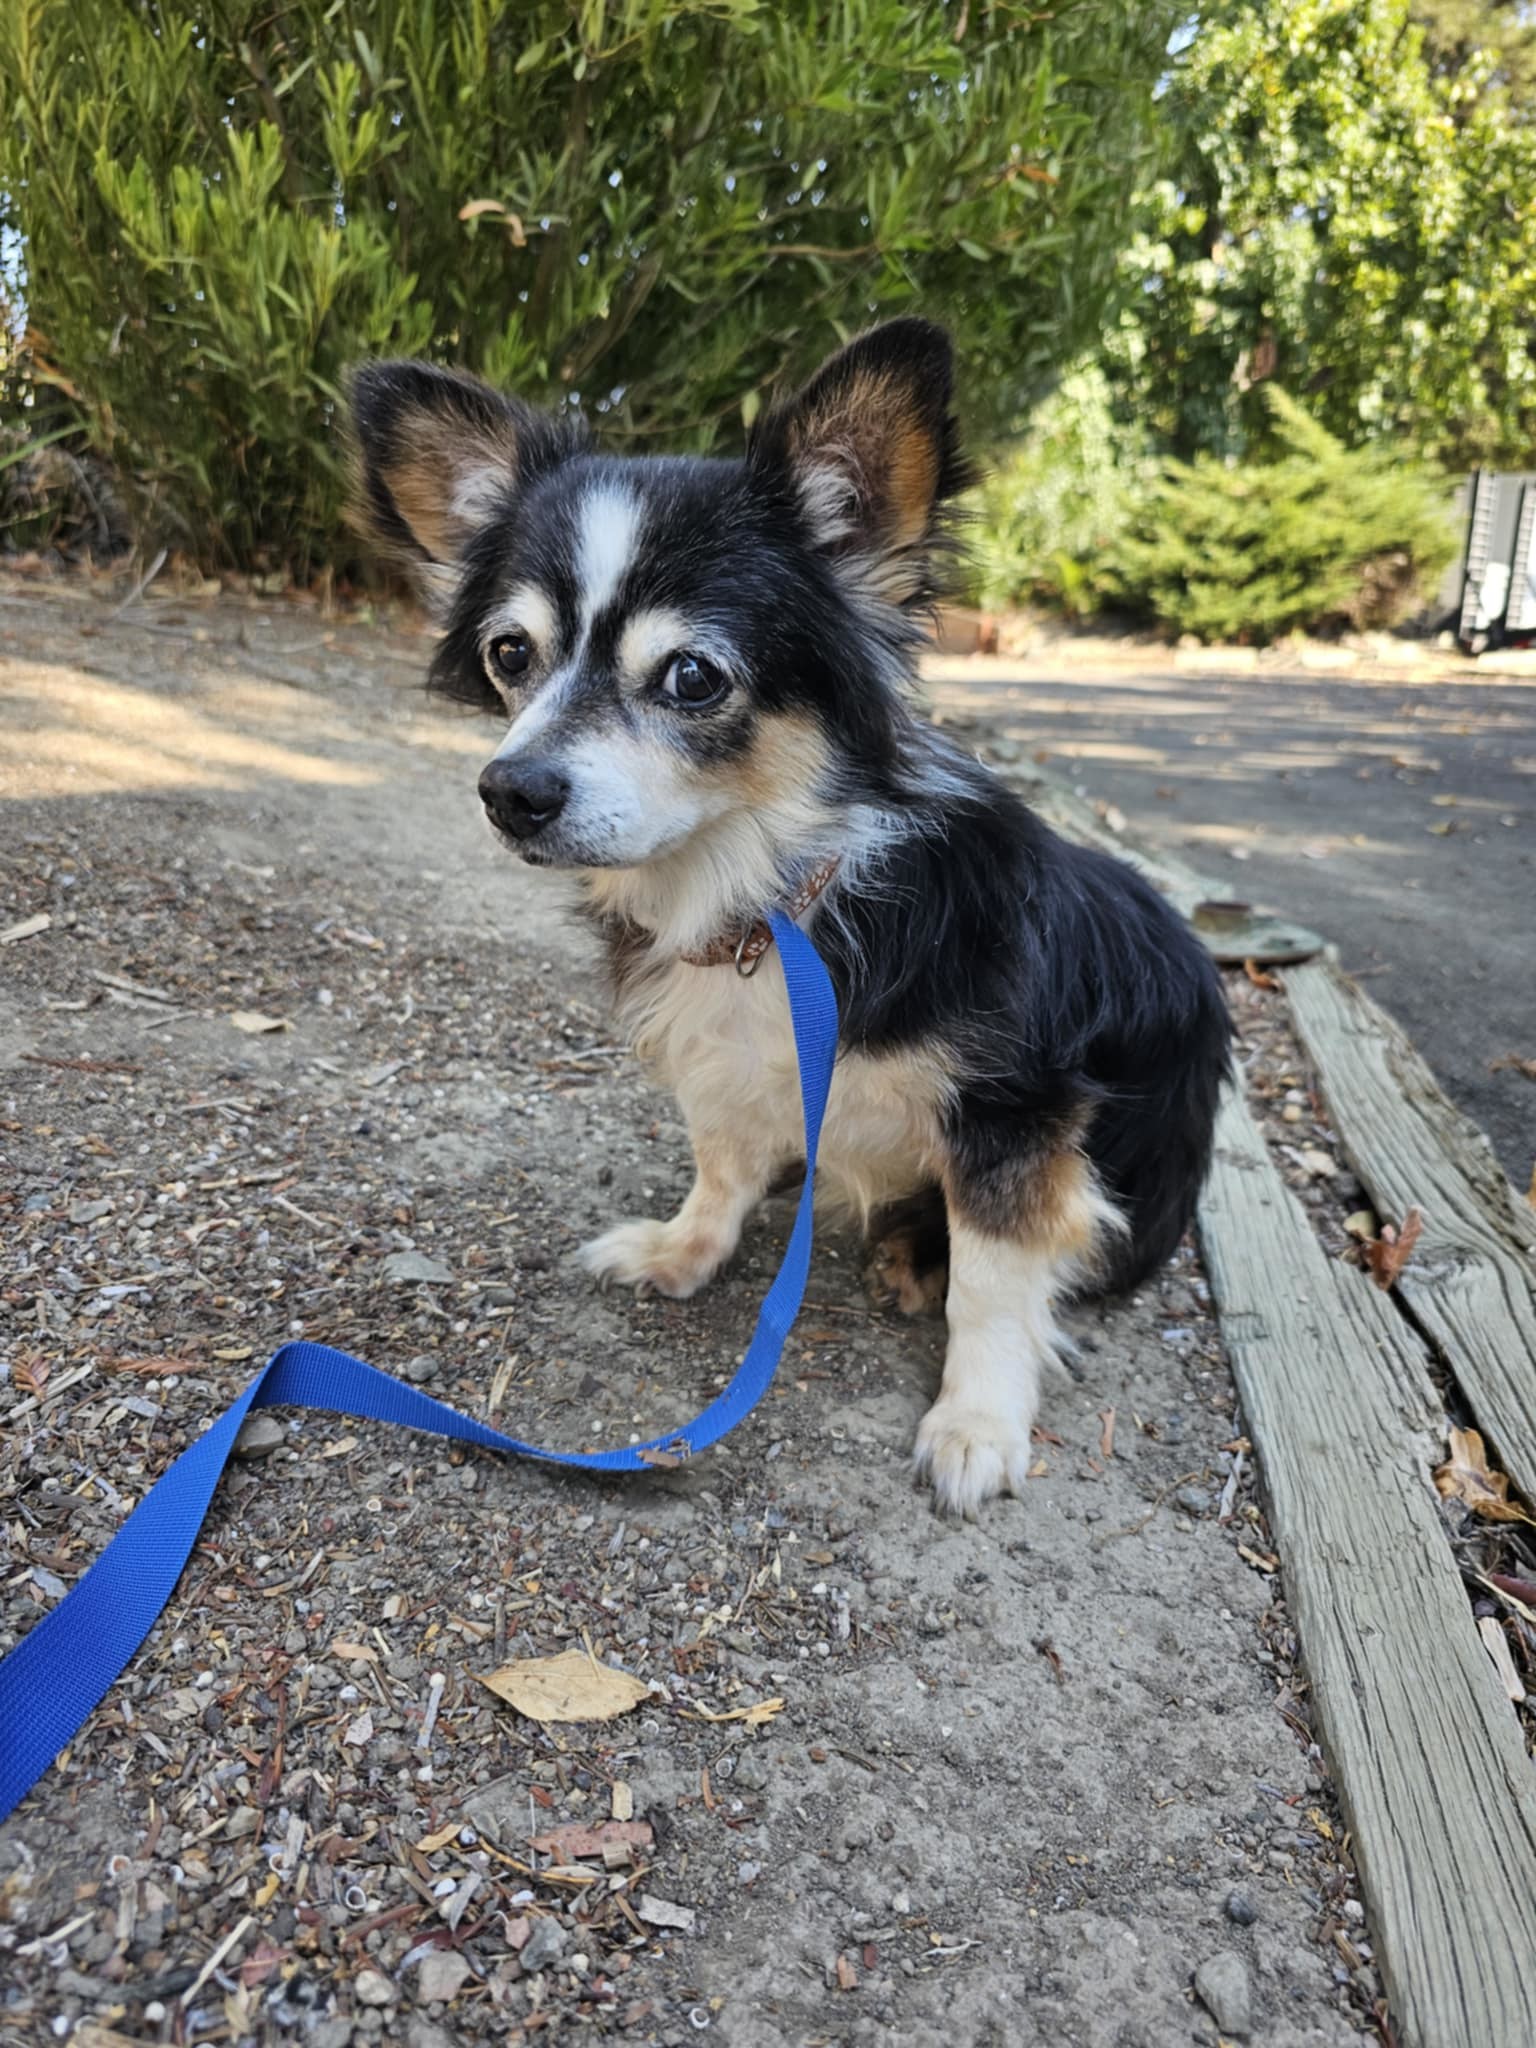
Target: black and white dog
705 664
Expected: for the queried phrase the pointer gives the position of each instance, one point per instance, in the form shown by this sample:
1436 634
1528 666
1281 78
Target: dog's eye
692 680
510 655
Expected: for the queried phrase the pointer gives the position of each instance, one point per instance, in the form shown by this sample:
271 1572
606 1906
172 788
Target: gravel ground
1027 1778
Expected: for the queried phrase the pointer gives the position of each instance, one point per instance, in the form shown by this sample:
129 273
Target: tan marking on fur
648 637
438 482
868 430
895 1276
788 757
1061 1210
912 470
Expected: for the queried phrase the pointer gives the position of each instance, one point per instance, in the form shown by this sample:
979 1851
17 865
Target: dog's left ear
873 451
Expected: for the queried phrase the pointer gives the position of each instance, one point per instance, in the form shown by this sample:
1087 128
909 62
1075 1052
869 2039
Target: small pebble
544 1946
1221 1985
260 1436
1241 1910
371 1987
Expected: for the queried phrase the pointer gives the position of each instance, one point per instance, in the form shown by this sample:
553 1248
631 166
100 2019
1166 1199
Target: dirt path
1021 1768
1395 812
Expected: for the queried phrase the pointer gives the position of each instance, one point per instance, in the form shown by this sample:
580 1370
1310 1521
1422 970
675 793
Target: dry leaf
754 1717
32 1376
847 1975
257 1021
570 1687
1394 1248
1258 977
476 209
1361 1225
1510 1059
430 1844
1465 1476
348 1652
569 1844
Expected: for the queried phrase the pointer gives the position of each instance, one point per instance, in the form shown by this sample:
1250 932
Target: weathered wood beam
1471 1282
1430 1763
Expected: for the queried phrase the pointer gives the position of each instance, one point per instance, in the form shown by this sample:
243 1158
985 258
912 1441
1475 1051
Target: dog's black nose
522 797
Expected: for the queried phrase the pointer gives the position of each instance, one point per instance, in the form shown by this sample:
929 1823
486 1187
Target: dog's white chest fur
725 1047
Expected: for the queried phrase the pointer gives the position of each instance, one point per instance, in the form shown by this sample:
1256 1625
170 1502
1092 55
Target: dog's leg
1008 1261
732 1173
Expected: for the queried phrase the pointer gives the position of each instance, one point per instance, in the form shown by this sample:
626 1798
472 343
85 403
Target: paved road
1397 817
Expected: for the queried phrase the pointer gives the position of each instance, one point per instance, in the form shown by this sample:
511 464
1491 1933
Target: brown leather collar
746 948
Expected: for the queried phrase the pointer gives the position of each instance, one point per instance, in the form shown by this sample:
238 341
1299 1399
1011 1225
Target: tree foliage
1497 37
656 206
1350 210
1319 534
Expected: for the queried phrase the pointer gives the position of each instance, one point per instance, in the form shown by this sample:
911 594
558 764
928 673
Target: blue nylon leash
66 1664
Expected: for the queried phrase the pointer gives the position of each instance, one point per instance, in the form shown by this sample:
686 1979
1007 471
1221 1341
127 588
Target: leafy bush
1055 502
1321 534
659 205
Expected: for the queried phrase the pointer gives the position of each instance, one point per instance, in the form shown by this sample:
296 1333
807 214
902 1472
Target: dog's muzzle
522 797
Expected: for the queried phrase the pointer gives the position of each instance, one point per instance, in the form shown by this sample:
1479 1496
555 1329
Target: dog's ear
873 451
438 456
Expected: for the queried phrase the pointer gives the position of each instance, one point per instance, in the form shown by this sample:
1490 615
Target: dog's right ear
439 455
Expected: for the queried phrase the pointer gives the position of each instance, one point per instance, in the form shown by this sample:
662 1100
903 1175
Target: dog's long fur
1032 1042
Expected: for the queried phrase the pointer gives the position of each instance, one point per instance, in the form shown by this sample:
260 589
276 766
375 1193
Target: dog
706 668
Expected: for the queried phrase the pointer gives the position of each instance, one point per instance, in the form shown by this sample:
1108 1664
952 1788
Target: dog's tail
1150 1137
1151 1156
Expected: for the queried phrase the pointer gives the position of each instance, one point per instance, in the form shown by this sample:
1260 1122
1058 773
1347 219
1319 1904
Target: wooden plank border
1471 1283
1437 1789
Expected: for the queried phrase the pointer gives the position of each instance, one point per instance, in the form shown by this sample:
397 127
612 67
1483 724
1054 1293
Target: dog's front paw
653 1257
968 1455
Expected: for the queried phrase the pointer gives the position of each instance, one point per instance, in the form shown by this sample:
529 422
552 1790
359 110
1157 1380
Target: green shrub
1318 535
660 205
1055 502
